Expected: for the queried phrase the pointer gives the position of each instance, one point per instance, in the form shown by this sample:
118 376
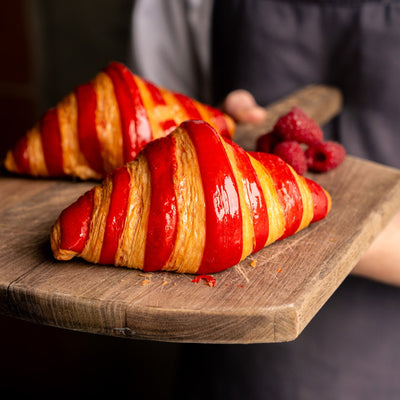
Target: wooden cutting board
269 297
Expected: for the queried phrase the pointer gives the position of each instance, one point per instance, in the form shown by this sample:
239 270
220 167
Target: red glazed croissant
104 124
190 202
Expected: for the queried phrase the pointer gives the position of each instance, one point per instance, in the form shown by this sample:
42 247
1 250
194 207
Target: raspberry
325 156
296 125
293 154
267 142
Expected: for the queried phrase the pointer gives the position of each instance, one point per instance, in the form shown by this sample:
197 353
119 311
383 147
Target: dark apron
351 349
273 47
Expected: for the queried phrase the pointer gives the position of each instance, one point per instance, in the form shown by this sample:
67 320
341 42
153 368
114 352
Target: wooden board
269 297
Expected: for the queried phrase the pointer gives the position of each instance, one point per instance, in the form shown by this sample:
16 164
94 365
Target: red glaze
256 196
224 241
287 189
89 143
136 129
116 214
320 200
51 142
189 106
210 280
21 158
75 223
163 216
168 126
219 121
156 95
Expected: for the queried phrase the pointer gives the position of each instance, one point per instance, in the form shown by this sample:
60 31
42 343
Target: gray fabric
170 44
273 47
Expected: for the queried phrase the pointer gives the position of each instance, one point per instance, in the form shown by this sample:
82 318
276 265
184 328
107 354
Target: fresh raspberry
325 156
267 142
293 154
296 125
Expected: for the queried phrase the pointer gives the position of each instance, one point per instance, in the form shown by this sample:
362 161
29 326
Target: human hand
381 262
242 107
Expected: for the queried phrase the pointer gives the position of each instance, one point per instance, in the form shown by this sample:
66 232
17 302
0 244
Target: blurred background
47 48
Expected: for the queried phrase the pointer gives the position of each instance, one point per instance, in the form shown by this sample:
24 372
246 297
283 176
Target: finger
241 105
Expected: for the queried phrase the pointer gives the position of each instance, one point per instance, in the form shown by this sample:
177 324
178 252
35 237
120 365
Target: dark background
46 49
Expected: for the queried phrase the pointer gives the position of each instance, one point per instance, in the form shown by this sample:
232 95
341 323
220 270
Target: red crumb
210 280
279 270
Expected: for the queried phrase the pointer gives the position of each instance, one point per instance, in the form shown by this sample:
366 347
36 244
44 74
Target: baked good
191 202
104 124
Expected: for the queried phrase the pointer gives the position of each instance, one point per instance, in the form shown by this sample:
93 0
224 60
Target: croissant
103 124
191 202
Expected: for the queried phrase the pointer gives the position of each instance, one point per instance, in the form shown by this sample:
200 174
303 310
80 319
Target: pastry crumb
210 280
253 263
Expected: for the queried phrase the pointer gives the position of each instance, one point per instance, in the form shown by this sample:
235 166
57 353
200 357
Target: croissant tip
55 243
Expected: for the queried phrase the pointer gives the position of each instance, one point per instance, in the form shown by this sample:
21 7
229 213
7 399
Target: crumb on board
253 263
210 280
164 283
145 282
279 270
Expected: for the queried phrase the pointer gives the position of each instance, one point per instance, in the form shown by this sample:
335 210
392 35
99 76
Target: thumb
241 106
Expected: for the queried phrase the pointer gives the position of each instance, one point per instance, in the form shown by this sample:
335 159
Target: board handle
319 102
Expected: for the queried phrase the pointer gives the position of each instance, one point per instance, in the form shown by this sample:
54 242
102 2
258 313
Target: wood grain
269 302
269 297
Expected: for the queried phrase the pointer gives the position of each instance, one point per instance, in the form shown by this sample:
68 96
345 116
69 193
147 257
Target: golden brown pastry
191 202
104 124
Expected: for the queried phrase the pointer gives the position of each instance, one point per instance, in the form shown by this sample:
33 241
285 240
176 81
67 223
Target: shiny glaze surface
163 216
190 108
320 200
75 223
51 142
132 112
255 196
287 189
156 94
89 143
224 241
168 126
116 214
219 121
